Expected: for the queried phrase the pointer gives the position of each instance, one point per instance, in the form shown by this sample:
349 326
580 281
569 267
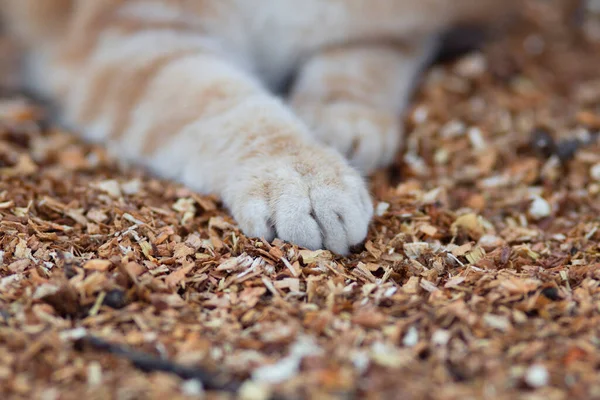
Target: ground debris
480 275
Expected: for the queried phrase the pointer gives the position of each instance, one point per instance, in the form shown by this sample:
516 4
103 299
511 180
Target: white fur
272 168
152 11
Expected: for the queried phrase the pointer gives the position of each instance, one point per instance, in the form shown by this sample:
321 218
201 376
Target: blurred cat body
184 88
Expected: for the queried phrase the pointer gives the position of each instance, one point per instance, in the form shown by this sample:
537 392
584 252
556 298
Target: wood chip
478 279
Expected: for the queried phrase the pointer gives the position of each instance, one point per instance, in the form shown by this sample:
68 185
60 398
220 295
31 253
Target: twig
148 363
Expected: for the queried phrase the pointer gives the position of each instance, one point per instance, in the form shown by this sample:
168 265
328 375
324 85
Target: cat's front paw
313 199
368 137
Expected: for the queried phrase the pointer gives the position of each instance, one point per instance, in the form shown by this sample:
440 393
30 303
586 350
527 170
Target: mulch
479 279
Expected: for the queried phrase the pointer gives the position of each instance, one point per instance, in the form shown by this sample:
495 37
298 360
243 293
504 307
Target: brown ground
480 277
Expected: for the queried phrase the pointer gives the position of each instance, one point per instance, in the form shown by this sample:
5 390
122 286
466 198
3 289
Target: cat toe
327 216
294 219
343 217
254 217
327 208
368 137
331 219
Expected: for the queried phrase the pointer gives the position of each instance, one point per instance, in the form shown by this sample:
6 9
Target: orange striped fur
183 87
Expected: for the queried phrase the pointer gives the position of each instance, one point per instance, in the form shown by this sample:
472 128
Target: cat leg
352 98
167 101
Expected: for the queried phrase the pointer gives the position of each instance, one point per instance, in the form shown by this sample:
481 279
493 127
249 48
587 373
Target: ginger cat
184 88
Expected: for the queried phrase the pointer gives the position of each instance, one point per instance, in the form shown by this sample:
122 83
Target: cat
185 88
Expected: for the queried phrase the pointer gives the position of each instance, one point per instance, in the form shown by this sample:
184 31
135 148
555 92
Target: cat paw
314 200
368 137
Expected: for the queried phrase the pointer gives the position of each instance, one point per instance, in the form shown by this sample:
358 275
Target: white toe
293 219
314 199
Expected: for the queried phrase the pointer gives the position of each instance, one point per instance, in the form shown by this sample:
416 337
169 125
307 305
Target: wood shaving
479 278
